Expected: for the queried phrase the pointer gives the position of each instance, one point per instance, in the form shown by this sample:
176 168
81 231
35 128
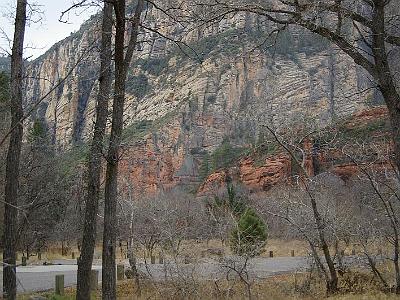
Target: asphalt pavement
40 278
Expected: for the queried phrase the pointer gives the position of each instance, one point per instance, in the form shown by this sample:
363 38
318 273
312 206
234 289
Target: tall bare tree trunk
94 166
110 195
13 156
392 98
332 281
383 75
111 187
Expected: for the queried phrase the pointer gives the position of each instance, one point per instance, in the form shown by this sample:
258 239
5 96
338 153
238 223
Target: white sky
41 36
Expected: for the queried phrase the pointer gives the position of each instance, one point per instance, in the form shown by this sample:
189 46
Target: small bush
359 283
250 235
232 202
204 168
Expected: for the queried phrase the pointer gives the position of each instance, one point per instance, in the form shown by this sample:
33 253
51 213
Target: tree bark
13 156
111 186
392 98
94 166
383 75
110 196
333 280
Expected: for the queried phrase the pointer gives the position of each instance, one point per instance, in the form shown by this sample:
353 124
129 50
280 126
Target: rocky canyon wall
179 110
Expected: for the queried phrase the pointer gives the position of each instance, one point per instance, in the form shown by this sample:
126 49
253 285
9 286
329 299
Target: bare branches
34 13
83 4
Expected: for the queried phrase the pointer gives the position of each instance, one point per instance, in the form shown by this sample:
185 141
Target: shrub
223 157
285 43
311 43
227 42
232 202
250 235
38 130
236 203
74 157
263 151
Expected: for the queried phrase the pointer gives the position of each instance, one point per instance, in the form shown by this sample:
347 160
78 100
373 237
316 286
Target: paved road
39 278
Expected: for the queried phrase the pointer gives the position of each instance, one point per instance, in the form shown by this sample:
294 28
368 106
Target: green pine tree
250 235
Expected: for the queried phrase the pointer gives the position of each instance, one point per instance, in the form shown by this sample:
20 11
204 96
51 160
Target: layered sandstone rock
193 107
273 171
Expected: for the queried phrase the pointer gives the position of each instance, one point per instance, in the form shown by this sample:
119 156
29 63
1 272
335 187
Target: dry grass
196 249
277 288
285 287
279 247
284 247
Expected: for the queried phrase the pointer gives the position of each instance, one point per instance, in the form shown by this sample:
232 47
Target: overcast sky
41 36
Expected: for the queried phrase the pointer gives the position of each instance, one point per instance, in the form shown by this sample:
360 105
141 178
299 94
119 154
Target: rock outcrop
372 151
178 110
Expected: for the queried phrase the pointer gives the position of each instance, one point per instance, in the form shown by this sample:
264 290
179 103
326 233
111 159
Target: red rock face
145 172
367 116
213 183
346 171
150 166
154 165
275 170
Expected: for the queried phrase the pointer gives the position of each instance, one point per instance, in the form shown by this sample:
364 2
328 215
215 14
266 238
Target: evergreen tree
250 235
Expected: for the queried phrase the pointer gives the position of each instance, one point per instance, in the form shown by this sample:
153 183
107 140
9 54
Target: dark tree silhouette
95 158
13 156
122 61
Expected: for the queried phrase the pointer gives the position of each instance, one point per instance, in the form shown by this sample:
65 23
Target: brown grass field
289 287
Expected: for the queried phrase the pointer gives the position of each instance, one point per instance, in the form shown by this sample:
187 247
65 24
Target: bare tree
5 117
317 231
13 155
122 62
95 158
383 205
